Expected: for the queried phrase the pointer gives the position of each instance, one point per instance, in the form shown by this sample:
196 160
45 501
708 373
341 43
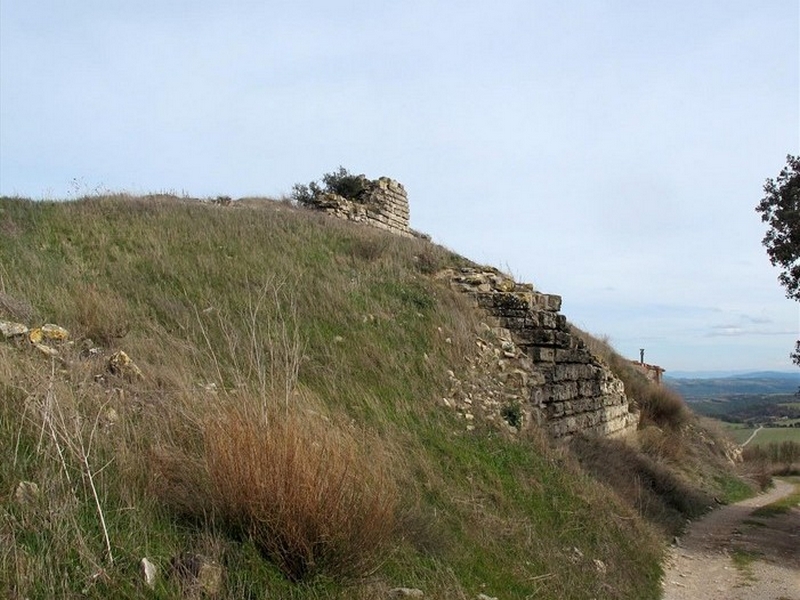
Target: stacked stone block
383 203
569 390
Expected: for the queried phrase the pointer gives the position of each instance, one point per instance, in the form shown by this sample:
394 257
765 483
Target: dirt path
752 435
731 555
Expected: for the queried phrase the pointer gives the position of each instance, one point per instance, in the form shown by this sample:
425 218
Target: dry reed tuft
268 463
310 496
663 407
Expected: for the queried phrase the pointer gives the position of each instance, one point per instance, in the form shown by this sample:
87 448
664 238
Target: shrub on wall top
340 182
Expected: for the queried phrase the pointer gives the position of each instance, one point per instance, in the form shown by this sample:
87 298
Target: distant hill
758 383
758 397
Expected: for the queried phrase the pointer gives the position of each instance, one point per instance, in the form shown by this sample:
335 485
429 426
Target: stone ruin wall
382 204
567 389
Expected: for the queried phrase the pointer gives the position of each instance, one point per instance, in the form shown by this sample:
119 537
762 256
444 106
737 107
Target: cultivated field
765 436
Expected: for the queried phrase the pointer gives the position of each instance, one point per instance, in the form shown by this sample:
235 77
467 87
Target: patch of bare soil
732 555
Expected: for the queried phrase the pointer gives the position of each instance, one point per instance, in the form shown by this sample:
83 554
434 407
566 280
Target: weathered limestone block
560 392
547 338
149 572
574 372
542 355
120 364
548 302
49 332
513 305
590 388
518 323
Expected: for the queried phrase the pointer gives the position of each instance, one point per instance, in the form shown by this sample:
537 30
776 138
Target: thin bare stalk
209 345
85 460
50 403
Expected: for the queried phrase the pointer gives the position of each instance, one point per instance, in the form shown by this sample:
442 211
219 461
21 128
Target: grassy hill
283 432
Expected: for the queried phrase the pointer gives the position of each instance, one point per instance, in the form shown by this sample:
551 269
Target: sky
610 152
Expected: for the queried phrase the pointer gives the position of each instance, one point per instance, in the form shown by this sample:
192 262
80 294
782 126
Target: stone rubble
37 336
493 389
49 332
120 364
10 329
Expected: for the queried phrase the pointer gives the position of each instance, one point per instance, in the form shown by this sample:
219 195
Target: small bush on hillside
340 182
662 407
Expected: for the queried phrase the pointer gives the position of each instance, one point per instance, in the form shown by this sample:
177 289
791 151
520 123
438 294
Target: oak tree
780 209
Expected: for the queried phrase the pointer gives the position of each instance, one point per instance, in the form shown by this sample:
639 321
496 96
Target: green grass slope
285 422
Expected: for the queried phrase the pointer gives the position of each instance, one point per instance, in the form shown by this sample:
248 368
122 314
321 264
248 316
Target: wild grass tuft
310 495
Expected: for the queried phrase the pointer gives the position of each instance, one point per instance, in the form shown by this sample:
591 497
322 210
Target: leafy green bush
340 182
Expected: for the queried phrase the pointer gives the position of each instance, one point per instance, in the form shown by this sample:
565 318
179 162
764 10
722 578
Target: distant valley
764 397
715 387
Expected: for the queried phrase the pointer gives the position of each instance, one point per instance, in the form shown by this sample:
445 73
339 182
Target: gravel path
702 567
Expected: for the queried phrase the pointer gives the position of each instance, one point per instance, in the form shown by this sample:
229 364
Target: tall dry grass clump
311 497
656 492
269 462
315 495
